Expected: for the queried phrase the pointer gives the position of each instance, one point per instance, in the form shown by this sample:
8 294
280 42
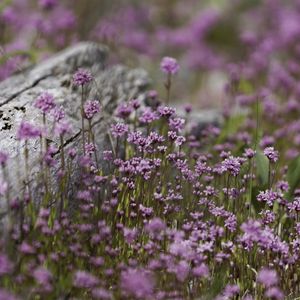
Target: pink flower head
119 129
91 108
271 154
27 131
62 128
82 77
45 102
267 277
83 279
169 65
137 283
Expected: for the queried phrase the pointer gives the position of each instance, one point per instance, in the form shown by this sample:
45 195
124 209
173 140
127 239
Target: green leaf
245 86
293 176
262 169
231 126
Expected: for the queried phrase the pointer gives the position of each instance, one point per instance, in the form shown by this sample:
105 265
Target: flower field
180 211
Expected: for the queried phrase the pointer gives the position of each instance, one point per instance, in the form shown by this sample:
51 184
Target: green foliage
293 175
231 126
262 169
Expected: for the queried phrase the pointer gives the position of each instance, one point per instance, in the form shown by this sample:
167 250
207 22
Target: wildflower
138 283
119 129
58 113
249 153
27 131
83 279
271 154
267 196
274 293
148 116
155 226
43 277
124 110
45 102
176 123
91 108
102 294
201 271
169 65
82 77
89 148
166 111
232 164
27 248
6 265
6 295
267 277
62 128
179 140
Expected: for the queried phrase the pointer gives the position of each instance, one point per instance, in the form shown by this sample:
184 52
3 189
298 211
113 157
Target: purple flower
42 276
137 283
5 295
169 65
232 165
27 131
102 294
119 129
267 196
201 271
267 277
155 226
124 110
271 154
26 248
6 265
82 77
166 111
249 153
45 102
58 113
274 293
83 279
91 108
62 128
148 116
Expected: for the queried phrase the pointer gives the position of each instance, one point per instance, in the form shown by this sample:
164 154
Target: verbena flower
271 154
82 77
45 102
83 279
91 108
137 283
119 129
169 65
267 277
27 131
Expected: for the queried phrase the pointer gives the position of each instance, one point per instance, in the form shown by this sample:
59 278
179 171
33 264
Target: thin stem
168 88
82 119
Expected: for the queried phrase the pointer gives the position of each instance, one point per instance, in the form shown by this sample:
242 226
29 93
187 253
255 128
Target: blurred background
214 41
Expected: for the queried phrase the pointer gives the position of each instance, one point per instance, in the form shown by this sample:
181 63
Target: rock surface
18 93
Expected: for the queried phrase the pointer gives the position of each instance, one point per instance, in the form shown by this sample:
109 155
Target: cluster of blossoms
168 208
162 212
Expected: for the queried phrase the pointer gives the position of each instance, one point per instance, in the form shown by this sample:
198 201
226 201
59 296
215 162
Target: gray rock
18 93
